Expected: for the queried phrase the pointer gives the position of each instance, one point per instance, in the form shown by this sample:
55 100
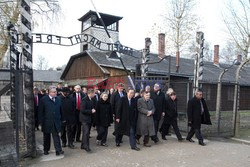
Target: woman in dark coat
104 118
171 117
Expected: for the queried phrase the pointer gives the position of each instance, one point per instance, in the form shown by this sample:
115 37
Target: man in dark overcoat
115 99
37 98
197 114
50 118
160 108
69 113
86 112
170 118
126 119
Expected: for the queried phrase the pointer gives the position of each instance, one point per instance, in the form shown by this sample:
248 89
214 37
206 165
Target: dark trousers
85 135
69 130
166 126
132 140
156 124
36 118
102 134
145 140
77 131
63 133
56 140
118 137
197 133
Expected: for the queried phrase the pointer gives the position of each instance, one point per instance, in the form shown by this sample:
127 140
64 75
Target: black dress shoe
190 140
180 140
78 140
104 144
202 143
46 153
59 153
156 140
147 145
164 138
117 144
88 150
71 146
136 149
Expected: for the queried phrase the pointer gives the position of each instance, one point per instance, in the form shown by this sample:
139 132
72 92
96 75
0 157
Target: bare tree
229 52
41 63
10 11
181 24
237 21
207 51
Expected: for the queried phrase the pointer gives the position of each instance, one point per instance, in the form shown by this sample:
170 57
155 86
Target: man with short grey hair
50 118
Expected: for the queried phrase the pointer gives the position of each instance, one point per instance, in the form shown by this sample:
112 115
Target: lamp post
218 97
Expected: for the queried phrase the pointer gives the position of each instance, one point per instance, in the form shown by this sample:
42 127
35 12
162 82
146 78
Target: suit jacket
127 115
68 109
160 104
86 110
39 98
194 113
74 97
50 114
115 98
145 124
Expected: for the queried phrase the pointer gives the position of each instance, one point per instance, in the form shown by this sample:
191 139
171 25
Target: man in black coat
115 98
87 110
50 118
69 113
37 98
160 108
126 119
171 117
78 95
197 114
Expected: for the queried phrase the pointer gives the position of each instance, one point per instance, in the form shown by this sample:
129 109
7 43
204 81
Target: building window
207 92
230 94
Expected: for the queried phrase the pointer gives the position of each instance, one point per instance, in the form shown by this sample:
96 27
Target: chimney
161 45
239 58
177 61
216 54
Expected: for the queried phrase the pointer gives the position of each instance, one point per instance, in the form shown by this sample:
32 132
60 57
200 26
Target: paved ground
218 152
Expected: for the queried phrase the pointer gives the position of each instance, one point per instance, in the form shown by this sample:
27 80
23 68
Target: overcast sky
138 18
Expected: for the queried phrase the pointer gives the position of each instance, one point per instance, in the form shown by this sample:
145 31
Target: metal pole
236 113
17 105
218 100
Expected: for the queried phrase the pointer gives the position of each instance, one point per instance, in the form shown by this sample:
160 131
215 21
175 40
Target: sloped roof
210 71
107 18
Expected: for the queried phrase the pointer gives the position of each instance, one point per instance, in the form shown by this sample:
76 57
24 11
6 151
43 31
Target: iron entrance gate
142 82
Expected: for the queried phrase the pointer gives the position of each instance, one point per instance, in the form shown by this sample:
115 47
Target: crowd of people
68 115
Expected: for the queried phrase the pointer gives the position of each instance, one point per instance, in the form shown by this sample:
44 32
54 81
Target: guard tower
92 25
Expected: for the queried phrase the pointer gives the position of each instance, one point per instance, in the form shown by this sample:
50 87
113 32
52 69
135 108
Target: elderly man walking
145 122
50 118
